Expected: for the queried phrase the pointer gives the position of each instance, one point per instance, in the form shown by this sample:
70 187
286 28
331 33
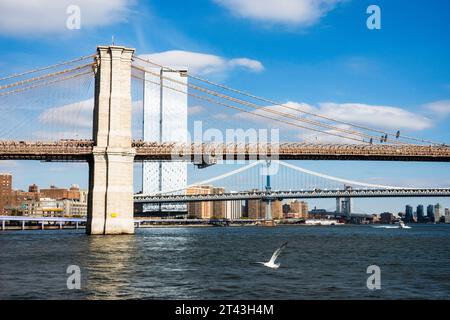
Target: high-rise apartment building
219 210
234 209
409 214
299 209
202 209
165 120
437 212
430 213
447 215
5 191
420 213
257 209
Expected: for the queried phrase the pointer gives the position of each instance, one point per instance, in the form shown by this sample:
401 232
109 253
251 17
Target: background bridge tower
110 203
268 189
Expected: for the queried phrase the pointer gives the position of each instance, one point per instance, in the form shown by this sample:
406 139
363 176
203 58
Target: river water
218 263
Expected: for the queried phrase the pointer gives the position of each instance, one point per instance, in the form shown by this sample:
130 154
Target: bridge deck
82 150
310 194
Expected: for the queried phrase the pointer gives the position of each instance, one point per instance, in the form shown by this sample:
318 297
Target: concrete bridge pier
110 203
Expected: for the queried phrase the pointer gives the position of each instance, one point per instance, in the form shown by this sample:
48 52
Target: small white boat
402 225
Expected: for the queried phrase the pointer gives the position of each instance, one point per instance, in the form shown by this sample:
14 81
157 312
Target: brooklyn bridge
111 147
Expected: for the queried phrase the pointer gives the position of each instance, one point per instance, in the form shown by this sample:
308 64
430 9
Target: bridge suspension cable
43 84
262 108
345 181
199 97
48 67
50 103
211 180
366 128
49 75
310 176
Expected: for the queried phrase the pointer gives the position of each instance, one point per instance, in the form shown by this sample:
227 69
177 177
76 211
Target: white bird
271 263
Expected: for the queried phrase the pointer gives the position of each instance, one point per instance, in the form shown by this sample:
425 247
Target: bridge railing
190 152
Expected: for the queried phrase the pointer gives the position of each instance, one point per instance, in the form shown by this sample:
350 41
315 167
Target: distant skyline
318 56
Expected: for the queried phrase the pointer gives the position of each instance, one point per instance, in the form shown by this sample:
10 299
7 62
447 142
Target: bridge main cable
43 84
246 111
289 107
49 75
48 67
264 109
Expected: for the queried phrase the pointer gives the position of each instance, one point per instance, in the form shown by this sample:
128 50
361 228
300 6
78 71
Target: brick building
5 191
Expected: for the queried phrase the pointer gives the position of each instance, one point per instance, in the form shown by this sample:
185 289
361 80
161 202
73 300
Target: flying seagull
271 263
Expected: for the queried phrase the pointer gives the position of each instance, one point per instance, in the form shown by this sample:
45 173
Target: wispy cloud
42 17
195 110
387 117
77 114
380 117
441 108
220 116
286 12
203 63
250 64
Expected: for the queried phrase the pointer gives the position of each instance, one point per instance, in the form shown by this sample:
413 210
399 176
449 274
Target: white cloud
202 63
441 107
280 112
288 12
380 117
220 116
373 115
195 110
329 136
31 17
250 64
72 115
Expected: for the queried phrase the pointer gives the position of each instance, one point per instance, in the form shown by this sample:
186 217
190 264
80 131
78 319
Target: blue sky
321 56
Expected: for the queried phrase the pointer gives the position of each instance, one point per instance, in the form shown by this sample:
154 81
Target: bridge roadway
82 150
275 195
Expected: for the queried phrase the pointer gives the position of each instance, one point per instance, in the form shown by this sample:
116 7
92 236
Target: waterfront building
23 202
420 213
430 213
49 208
257 209
73 193
48 202
387 218
437 212
299 209
319 213
73 208
219 210
202 209
33 188
409 215
5 191
165 120
286 208
234 209
276 209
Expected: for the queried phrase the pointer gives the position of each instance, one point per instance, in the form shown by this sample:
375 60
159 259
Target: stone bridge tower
110 203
